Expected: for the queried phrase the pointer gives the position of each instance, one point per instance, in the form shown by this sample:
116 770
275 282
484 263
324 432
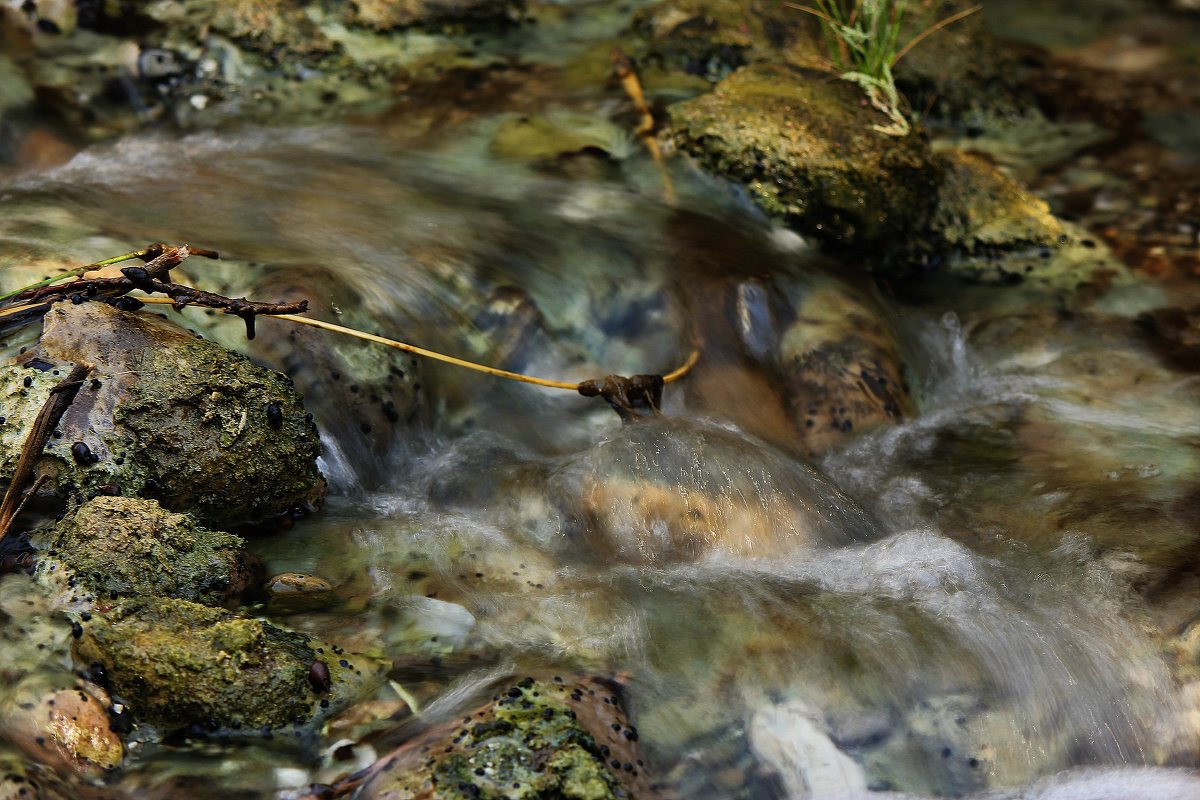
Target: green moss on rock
167 415
122 546
536 740
804 148
178 663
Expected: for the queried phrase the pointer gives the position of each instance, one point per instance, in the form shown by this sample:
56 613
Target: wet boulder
163 414
114 547
805 149
535 739
179 664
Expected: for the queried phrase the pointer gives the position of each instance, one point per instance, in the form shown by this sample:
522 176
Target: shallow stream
956 602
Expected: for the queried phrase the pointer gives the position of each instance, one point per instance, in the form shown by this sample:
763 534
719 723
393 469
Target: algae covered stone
536 740
805 149
163 414
122 546
178 663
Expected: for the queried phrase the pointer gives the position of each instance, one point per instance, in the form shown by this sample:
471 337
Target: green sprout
862 38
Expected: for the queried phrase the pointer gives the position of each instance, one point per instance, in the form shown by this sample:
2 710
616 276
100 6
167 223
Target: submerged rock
662 491
537 740
164 414
177 664
121 546
69 729
804 148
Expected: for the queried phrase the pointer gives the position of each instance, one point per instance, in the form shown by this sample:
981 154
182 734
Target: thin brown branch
186 295
56 404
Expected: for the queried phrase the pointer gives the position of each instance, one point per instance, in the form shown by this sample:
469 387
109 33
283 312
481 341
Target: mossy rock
164 414
804 148
179 664
122 546
989 229
536 740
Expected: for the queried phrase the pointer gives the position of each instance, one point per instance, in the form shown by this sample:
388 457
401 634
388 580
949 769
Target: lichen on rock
804 148
121 546
164 414
178 664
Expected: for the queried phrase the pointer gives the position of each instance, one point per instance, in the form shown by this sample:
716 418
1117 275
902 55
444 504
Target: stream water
951 604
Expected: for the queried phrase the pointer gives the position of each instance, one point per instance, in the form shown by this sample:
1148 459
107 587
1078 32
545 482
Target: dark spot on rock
83 454
274 415
318 677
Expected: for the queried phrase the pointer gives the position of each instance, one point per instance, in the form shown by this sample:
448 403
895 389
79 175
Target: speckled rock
121 546
804 148
841 368
536 740
165 415
178 663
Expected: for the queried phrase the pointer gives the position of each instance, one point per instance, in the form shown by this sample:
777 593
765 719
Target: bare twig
670 377
56 404
624 70
932 29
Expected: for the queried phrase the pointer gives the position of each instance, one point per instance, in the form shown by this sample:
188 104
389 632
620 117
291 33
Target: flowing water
951 604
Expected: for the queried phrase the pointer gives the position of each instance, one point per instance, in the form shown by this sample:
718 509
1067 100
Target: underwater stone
165 414
178 663
804 148
643 496
68 729
123 546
